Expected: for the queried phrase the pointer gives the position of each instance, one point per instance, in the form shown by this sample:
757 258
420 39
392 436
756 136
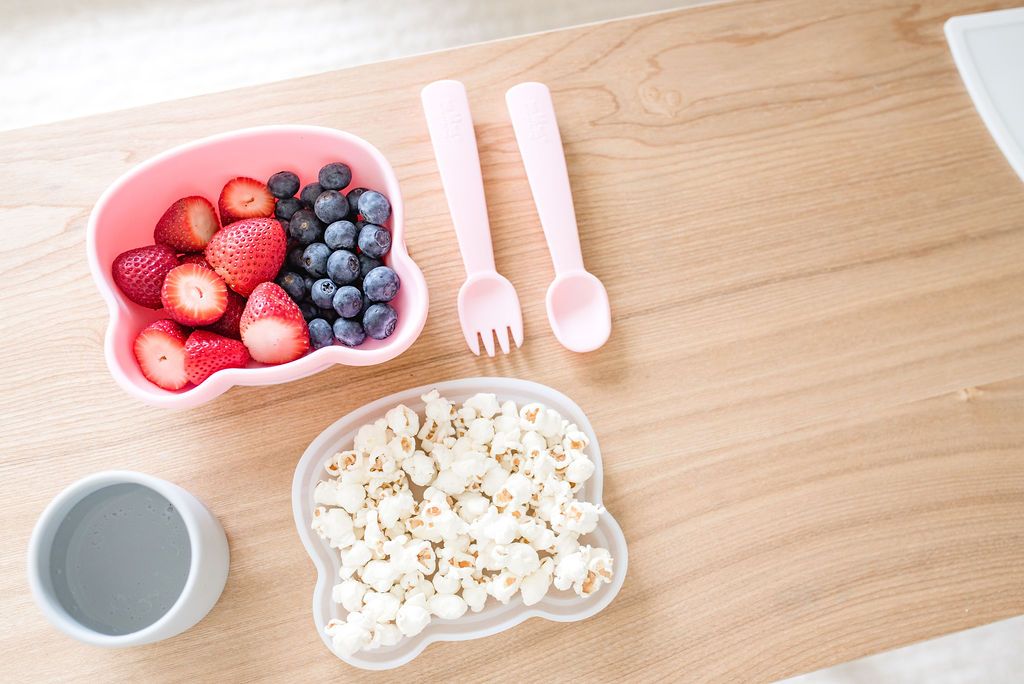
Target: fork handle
451 132
540 144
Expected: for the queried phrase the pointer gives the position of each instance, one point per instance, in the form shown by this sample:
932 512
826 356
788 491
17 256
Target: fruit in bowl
230 261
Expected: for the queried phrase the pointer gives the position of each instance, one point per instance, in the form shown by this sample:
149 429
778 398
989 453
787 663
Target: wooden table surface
811 405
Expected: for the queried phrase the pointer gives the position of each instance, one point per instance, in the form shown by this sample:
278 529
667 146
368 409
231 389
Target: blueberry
314 259
348 301
381 284
294 259
374 241
335 176
330 206
341 235
293 284
308 281
366 302
320 333
305 228
309 310
353 196
322 293
286 208
329 315
283 184
367 264
310 193
343 267
349 332
374 207
379 321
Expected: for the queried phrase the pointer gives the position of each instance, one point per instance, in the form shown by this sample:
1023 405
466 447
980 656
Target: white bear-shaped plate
560 606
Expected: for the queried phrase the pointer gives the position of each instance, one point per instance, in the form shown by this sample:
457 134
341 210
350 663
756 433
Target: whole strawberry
140 273
272 326
227 325
207 352
247 253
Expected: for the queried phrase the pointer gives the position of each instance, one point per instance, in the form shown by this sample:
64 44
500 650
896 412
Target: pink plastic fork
488 303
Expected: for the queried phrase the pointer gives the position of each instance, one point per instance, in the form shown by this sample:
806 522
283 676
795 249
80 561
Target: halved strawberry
187 225
244 198
247 253
272 326
194 295
227 325
160 351
140 273
207 352
197 258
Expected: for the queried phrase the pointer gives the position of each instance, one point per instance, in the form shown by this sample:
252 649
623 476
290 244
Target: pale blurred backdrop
61 59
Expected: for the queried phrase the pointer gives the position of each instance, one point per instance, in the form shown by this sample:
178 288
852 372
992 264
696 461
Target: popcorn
497 515
579 470
420 468
349 594
403 420
347 495
349 636
380 607
484 404
579 517
503 586
413 616
535 585
474 594
447 606
334 525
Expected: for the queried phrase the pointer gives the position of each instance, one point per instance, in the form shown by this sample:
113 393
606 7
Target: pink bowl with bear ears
126 213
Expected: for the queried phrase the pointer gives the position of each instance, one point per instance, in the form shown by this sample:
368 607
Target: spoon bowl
578 311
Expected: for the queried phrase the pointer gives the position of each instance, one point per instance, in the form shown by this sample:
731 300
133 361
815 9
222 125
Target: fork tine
516 328
502 335
471 340
488 339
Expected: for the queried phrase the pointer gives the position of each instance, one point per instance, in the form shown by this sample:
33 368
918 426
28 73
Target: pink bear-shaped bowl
126 213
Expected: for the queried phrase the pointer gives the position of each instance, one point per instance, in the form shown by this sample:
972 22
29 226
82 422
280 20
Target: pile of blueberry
336 242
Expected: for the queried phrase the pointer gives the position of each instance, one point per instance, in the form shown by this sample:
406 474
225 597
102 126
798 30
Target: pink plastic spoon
577 302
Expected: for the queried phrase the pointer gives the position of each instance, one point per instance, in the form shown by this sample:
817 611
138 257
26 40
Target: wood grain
811 405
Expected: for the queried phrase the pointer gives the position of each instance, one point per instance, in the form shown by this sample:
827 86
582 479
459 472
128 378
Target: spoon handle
533 119
451 132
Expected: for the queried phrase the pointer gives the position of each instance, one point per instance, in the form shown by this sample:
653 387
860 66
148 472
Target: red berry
160 351
194 295
272 326
227 325
199 259
140 273
206 353
248 253
244 198
187 225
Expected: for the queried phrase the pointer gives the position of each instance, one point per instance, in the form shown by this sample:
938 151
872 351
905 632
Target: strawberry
206 353
194 295
160 351
227 325
248 253
272 326
140 273
198 258
187 225
244 198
